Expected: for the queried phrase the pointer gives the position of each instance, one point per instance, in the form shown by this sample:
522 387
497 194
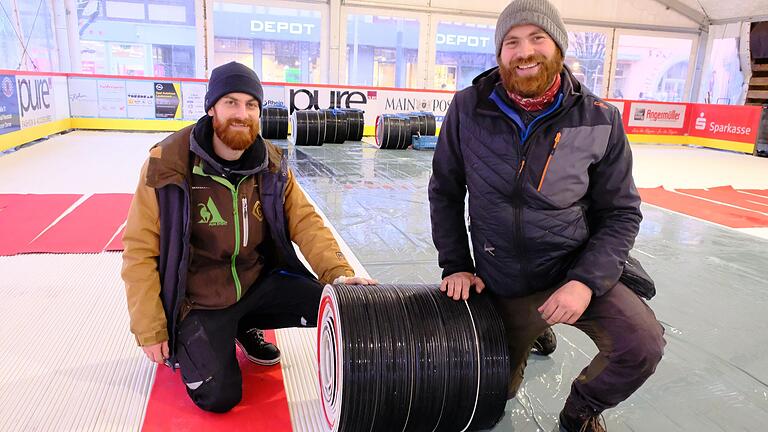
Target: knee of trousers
214 397
645 352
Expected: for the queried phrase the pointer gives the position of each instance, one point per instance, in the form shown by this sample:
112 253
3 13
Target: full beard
237 140
535 85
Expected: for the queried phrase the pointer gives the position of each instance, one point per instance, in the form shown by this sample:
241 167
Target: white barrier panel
374 101
139 99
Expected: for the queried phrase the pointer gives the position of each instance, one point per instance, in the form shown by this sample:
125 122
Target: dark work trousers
205 346
628 336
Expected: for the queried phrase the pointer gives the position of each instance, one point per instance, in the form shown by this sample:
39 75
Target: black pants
205 344
629 338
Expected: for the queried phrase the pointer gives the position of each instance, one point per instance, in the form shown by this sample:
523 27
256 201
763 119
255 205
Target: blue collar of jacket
507 109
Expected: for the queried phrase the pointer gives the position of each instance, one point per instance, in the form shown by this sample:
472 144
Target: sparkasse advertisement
725 122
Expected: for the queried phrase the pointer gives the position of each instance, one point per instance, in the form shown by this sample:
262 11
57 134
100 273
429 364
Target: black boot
259 351
546 343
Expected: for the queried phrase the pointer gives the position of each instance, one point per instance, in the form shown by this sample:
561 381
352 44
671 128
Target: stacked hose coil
396 131
313 128
409 358
308 128
274 123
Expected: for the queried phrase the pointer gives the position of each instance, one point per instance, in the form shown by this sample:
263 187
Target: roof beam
687 11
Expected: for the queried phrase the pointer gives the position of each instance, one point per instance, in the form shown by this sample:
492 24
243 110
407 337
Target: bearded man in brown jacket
209 257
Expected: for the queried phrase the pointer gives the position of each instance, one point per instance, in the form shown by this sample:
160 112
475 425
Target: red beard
531 86
237 140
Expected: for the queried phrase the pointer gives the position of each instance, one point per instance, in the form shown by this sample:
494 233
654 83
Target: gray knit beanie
540 13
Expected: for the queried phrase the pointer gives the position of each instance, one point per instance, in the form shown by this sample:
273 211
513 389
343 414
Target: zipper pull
549 159
557 141
246 229
522 165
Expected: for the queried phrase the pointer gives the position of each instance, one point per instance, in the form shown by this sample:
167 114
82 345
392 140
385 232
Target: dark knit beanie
540 13
233 77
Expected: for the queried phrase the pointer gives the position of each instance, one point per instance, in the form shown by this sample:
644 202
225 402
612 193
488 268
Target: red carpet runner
723 205
264 406
96 225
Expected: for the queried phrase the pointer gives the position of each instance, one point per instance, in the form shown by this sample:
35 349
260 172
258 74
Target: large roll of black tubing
355 124
426 123
408 358
393 131
308 128
274 123
335 125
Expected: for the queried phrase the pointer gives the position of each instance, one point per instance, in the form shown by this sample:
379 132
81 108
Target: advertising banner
193 99
725 122
112 99
621 105
167 100
36 101
83 97
274 96
140 99
373 101
9 105
656 118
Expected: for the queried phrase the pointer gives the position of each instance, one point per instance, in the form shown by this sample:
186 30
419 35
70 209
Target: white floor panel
68 359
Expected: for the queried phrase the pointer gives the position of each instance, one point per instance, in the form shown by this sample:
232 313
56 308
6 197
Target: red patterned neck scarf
540 102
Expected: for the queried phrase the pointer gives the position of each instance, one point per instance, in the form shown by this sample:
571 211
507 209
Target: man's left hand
355 280
566 304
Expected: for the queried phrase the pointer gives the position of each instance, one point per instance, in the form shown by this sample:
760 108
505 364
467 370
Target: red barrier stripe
702 209
87 229
264 406
23 217
729 195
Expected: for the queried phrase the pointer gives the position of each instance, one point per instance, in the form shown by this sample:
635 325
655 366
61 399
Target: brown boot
581 423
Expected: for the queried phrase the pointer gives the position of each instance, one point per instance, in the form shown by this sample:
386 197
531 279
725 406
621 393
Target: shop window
280 44
39 50
463 51
652 68
137 37
724 80
382 51
586 59
9 40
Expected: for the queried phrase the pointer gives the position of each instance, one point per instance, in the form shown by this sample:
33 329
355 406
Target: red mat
23 217
702 209
264 406
729 195
87 229
761 192
117 243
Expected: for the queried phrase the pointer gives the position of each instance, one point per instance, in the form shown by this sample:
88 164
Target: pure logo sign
303 99
34 95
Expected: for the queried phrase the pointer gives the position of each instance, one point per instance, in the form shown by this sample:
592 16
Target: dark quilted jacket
541 213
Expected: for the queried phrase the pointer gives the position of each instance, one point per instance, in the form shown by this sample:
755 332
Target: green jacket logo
210 215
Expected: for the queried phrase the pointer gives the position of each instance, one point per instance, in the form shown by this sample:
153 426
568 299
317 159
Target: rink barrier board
180 103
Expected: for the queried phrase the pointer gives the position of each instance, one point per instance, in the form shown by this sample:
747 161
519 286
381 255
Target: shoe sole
257 360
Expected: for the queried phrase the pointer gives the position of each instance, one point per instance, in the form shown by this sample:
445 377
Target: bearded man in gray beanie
209 258
554 212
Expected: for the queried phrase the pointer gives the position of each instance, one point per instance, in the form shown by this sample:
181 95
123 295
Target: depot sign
259 26
462 40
